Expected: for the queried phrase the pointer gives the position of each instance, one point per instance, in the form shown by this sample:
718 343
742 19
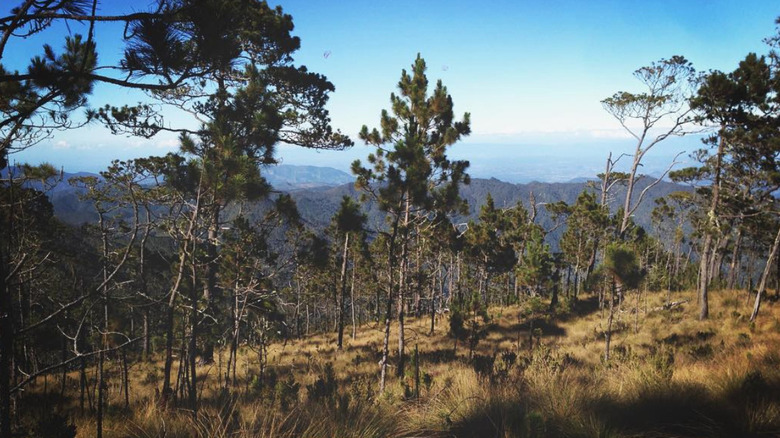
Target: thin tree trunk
716 259
608 333
458 283
352 297
386 343
404 265
391 262
142 278
100 384
192 351
711 222
677 255
735 255
83 384
126 378
210 284
104 344
433 294
146 343
765 276
343 299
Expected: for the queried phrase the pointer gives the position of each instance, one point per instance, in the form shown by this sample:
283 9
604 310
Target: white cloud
62 144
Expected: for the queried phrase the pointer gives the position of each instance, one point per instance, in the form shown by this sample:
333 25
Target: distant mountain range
290 177
317 206
318 192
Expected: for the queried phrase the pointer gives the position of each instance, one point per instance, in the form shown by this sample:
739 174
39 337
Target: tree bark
391 262
765 276
404 265
126 378
388 316
433 293
352 298
711 221
343 294
104 344
735 255
630 190
210 290
608 333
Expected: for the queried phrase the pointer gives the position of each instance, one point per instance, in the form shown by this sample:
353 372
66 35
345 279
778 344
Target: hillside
318 192
317 206
669 376
294 177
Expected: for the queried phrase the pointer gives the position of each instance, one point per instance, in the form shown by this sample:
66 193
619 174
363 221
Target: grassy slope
669 375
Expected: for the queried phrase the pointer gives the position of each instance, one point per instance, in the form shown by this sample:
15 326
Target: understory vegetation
669 376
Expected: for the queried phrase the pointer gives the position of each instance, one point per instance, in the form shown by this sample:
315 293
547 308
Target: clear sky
531 73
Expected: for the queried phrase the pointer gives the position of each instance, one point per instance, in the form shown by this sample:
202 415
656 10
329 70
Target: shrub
483 366
324 388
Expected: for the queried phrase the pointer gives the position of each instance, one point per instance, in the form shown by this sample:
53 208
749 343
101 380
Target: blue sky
531 74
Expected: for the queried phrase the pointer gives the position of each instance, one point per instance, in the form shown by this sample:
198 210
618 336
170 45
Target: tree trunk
352 298
391 262
191 353
343 288
146 343
711 222
83 384
716 259
677 255
458 282
104 344
765 276
143 284
388 316
100 385
210 290
735 256
404 266
126 378
608 333
630 191
433 293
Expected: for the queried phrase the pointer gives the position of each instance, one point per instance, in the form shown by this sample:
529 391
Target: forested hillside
206 292
318 196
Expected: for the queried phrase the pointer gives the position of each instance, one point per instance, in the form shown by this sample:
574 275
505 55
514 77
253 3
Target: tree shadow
744 409
546 327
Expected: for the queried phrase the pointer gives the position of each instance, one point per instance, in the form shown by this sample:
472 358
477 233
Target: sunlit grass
669 375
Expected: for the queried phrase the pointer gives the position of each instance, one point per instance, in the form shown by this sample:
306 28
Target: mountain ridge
318 192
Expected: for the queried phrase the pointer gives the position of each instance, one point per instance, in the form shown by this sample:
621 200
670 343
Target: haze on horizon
531 75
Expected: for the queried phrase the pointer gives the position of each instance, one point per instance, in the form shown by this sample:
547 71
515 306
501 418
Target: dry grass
669 375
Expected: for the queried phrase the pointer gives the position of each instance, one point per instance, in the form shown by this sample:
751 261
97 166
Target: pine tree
411 176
